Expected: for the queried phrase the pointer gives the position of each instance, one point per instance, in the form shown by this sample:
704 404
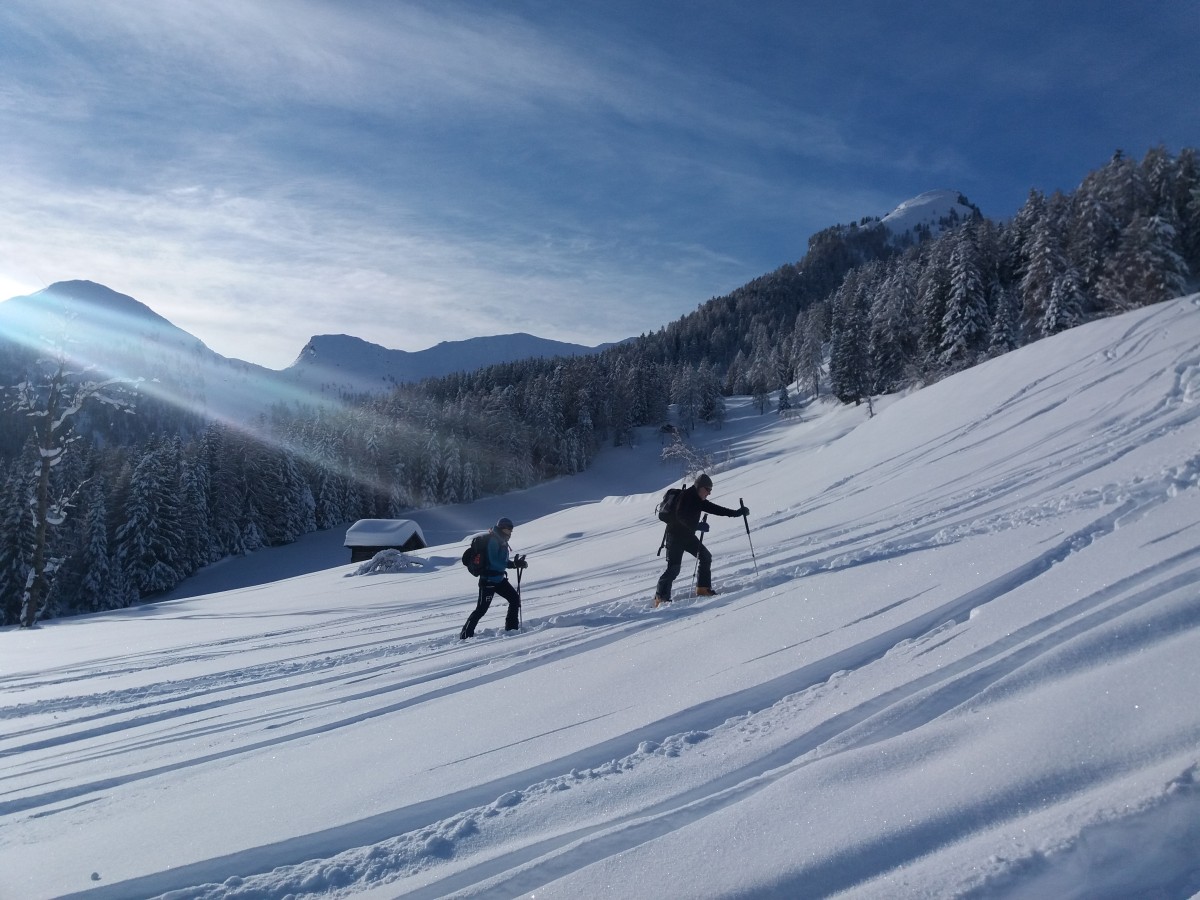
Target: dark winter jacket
689 508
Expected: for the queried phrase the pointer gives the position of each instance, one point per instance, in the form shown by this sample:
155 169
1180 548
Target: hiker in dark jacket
681 538
494 580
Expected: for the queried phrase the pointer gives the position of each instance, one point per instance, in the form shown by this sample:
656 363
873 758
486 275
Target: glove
743 511
702 527
518 562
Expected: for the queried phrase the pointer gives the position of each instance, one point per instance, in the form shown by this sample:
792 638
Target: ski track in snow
374 854
493 832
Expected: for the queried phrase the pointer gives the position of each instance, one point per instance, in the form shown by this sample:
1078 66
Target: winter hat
704 481
504 523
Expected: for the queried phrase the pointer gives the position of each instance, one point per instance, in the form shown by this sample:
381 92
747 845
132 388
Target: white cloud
255 277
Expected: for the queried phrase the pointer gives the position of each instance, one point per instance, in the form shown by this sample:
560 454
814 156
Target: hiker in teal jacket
494 580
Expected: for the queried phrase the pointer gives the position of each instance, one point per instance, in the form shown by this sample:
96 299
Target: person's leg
662 592
704 572
512 620
481 607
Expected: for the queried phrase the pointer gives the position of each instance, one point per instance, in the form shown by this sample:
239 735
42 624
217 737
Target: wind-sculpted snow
961 662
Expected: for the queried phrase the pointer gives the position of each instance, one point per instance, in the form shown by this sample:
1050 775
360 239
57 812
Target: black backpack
476 554
668 504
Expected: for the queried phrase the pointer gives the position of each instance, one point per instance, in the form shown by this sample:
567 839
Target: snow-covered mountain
118 335
954 655
109 334
352 365
932 211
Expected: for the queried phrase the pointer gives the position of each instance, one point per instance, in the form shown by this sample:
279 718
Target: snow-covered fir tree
966 321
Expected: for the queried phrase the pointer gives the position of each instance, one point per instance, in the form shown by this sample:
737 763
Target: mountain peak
934 210
98 296
96 316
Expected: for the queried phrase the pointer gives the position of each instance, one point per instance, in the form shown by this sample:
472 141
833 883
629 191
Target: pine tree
811 354
149 540
122 592
1157 174
1123 190
469 489
1045 262
893 327
1065 307
94 586
933 297
1092 235
16 535
1187 208
687 395
1005 334
1146 267
785 402
399 499
712 402
966 322
197 523
585 428
452 474
849 376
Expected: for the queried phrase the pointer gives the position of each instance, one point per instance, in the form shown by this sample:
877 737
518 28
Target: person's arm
709 507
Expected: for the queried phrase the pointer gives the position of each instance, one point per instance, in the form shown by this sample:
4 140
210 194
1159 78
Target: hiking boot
464 634
659 601
705 592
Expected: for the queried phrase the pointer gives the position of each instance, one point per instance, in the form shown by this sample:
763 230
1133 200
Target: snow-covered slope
955 656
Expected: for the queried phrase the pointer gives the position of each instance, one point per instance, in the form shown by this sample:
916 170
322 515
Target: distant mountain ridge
120 336
357 366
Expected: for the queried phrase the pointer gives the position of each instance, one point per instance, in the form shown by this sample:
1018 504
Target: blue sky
410 172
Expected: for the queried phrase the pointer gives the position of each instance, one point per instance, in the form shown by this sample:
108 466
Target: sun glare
15 287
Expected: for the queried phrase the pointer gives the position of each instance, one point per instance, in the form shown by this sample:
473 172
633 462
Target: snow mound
386 562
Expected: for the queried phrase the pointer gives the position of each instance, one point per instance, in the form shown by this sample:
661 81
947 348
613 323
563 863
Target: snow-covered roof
382 533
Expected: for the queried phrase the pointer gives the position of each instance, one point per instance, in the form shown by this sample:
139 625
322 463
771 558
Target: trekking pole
696 570
520 603
746 522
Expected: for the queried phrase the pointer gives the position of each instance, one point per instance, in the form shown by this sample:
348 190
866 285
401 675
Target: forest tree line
861 314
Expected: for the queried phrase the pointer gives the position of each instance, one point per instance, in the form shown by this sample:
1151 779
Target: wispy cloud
273 218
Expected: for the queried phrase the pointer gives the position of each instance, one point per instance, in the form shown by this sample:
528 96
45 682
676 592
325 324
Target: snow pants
677 544
487 590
